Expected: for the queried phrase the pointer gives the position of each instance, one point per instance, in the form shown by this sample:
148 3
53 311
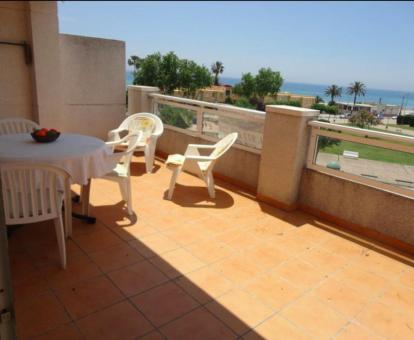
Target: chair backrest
32 192
224 144
16 125
159 126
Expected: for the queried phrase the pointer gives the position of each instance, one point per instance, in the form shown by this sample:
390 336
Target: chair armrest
201 146
200 158
116 142
114 134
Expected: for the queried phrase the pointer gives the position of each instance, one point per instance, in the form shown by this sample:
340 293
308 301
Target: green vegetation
330 109
406 120
370 152
356 89
178 117
255 88
363 119
295 103
403 127
168 73
333 91
244 102
217 68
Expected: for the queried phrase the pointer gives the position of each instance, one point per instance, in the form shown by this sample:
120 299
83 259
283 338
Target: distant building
345 108
387 110
305 101
214 93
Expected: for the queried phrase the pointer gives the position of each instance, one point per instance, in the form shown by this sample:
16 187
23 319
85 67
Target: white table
83 157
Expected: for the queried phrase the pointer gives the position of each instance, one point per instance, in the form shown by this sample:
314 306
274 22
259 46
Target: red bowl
45 139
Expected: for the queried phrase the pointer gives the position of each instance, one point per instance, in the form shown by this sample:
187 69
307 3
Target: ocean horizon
372 95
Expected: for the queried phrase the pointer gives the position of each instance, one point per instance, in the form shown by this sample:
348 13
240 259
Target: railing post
285 145
200 121
138 98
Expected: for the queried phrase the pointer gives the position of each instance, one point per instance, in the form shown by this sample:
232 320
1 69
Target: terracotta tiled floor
195 268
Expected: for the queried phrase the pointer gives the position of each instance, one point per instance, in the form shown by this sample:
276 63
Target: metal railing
392 174
213 121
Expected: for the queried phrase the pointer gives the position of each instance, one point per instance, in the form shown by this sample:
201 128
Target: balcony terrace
194 268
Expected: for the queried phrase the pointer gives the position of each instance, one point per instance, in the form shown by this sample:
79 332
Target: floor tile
387 322
198 324
164 303
89 296
64 332
239 310
300 273
276 327
204 284
210 251
356 332
137 278
120 321
49 313
340 297
154 245
237 268
314 317
115 257
399 297
177 262
94 241
78 269
273 291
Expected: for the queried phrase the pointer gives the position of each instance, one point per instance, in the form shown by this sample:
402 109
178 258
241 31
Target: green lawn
371 152
402 127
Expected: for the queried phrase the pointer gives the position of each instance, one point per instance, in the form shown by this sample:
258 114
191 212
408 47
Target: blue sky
310 42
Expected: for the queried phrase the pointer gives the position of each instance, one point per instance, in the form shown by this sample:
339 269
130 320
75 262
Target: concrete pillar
44 36
285 145
138 99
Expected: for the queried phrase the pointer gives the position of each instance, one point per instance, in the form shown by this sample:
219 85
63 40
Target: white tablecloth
83 157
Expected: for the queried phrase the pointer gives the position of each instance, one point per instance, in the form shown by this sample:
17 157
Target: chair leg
68 214
127 188
174 176
60 235
210 184
123 191
149 157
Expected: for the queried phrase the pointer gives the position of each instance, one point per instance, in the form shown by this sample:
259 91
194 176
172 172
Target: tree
333 91
217 68
318 100
247 86
169 72
135 61
267 82
363 119
149 70
193 77
356 89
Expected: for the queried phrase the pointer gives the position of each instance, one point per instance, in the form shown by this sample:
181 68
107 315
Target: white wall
93 81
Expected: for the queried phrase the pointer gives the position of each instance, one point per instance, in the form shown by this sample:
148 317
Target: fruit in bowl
45 135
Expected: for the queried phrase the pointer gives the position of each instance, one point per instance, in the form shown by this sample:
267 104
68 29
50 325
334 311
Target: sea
372 96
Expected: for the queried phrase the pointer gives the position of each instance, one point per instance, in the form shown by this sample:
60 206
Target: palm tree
333 91
134 61
217 68
318 100
356 89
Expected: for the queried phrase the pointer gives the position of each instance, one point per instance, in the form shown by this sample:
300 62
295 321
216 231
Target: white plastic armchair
16 125
34 193
121 173
205 163
148 141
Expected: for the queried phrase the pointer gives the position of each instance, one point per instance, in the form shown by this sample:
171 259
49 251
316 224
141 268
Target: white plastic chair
121 173
148 142
34 193
16 125
205 163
